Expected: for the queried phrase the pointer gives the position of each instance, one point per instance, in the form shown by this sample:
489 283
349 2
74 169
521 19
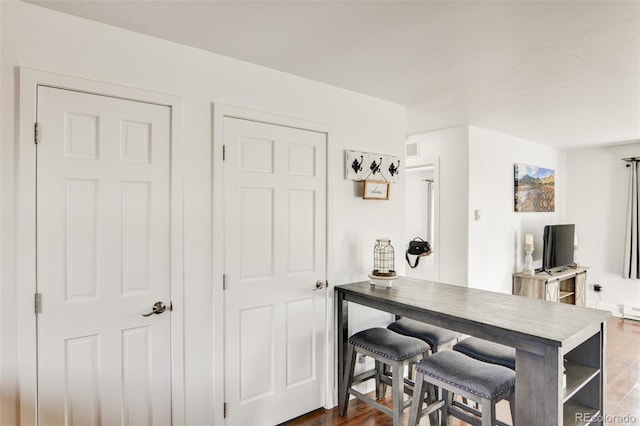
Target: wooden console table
543 333
568 285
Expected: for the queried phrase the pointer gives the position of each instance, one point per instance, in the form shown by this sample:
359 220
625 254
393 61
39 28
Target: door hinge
224 410
37 303
224 281
224 152
36 133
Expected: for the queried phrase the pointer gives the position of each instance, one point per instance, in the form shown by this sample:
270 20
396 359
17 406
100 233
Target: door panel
257 353
275 239
301 346
103 259
256 233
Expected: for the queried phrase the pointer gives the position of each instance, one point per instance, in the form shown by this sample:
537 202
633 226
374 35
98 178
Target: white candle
528 239
575 239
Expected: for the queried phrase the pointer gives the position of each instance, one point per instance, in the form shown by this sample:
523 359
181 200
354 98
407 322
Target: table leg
538 387
342 307
603 370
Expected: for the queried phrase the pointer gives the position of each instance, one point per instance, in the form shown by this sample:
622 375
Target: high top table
548 338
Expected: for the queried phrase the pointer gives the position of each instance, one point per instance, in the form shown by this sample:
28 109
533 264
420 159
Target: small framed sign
375 190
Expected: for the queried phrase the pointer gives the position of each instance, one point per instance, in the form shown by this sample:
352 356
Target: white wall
39 38
448 149
496 240
5 403
476 173
596 202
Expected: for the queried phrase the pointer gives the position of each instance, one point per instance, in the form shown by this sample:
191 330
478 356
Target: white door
103 260
275 239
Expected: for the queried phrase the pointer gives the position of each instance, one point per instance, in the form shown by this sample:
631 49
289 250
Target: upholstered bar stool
386 348
486 351
435 336
459 374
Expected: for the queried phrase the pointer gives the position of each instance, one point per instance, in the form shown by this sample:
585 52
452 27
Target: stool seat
388 349
433 335
477 377
486 351
459 374
388 344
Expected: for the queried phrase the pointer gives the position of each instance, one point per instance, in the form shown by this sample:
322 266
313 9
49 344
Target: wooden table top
512 320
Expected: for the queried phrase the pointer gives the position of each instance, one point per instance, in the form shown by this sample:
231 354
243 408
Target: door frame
29 80
434 162
219 113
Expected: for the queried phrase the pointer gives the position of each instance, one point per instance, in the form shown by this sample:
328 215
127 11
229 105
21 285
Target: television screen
557 246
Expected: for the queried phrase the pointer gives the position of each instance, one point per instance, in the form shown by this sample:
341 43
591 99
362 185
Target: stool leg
512 407
432 399
385 371
448 401
379 372
348 379
397 380
416 403
488 412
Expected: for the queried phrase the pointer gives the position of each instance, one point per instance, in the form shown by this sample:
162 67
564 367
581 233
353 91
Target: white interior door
275 239
103 259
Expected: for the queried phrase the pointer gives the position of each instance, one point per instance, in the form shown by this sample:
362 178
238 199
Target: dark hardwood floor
622 398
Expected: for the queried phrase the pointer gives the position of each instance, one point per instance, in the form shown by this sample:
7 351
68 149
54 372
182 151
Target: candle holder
383 263
383 259
575 255
528 260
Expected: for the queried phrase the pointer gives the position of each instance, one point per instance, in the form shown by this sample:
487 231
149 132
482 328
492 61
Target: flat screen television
557 246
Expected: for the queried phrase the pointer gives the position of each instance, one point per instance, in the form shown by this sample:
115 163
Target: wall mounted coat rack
371 166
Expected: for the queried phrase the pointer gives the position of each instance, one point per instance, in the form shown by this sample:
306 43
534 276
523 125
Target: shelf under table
576 414
577 376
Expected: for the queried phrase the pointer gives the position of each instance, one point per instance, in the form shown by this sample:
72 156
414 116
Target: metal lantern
383 256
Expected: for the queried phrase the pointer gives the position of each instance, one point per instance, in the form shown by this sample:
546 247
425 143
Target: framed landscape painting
534 189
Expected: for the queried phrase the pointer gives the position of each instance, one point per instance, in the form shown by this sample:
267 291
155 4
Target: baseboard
631 312
615 310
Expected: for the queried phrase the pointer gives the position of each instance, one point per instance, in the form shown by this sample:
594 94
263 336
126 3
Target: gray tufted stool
486 351
434 336
388 348
459 374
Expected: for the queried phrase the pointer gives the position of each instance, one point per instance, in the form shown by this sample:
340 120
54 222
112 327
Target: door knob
319 285
158 308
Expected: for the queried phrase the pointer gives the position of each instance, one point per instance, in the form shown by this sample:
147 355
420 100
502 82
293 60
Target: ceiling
560 73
